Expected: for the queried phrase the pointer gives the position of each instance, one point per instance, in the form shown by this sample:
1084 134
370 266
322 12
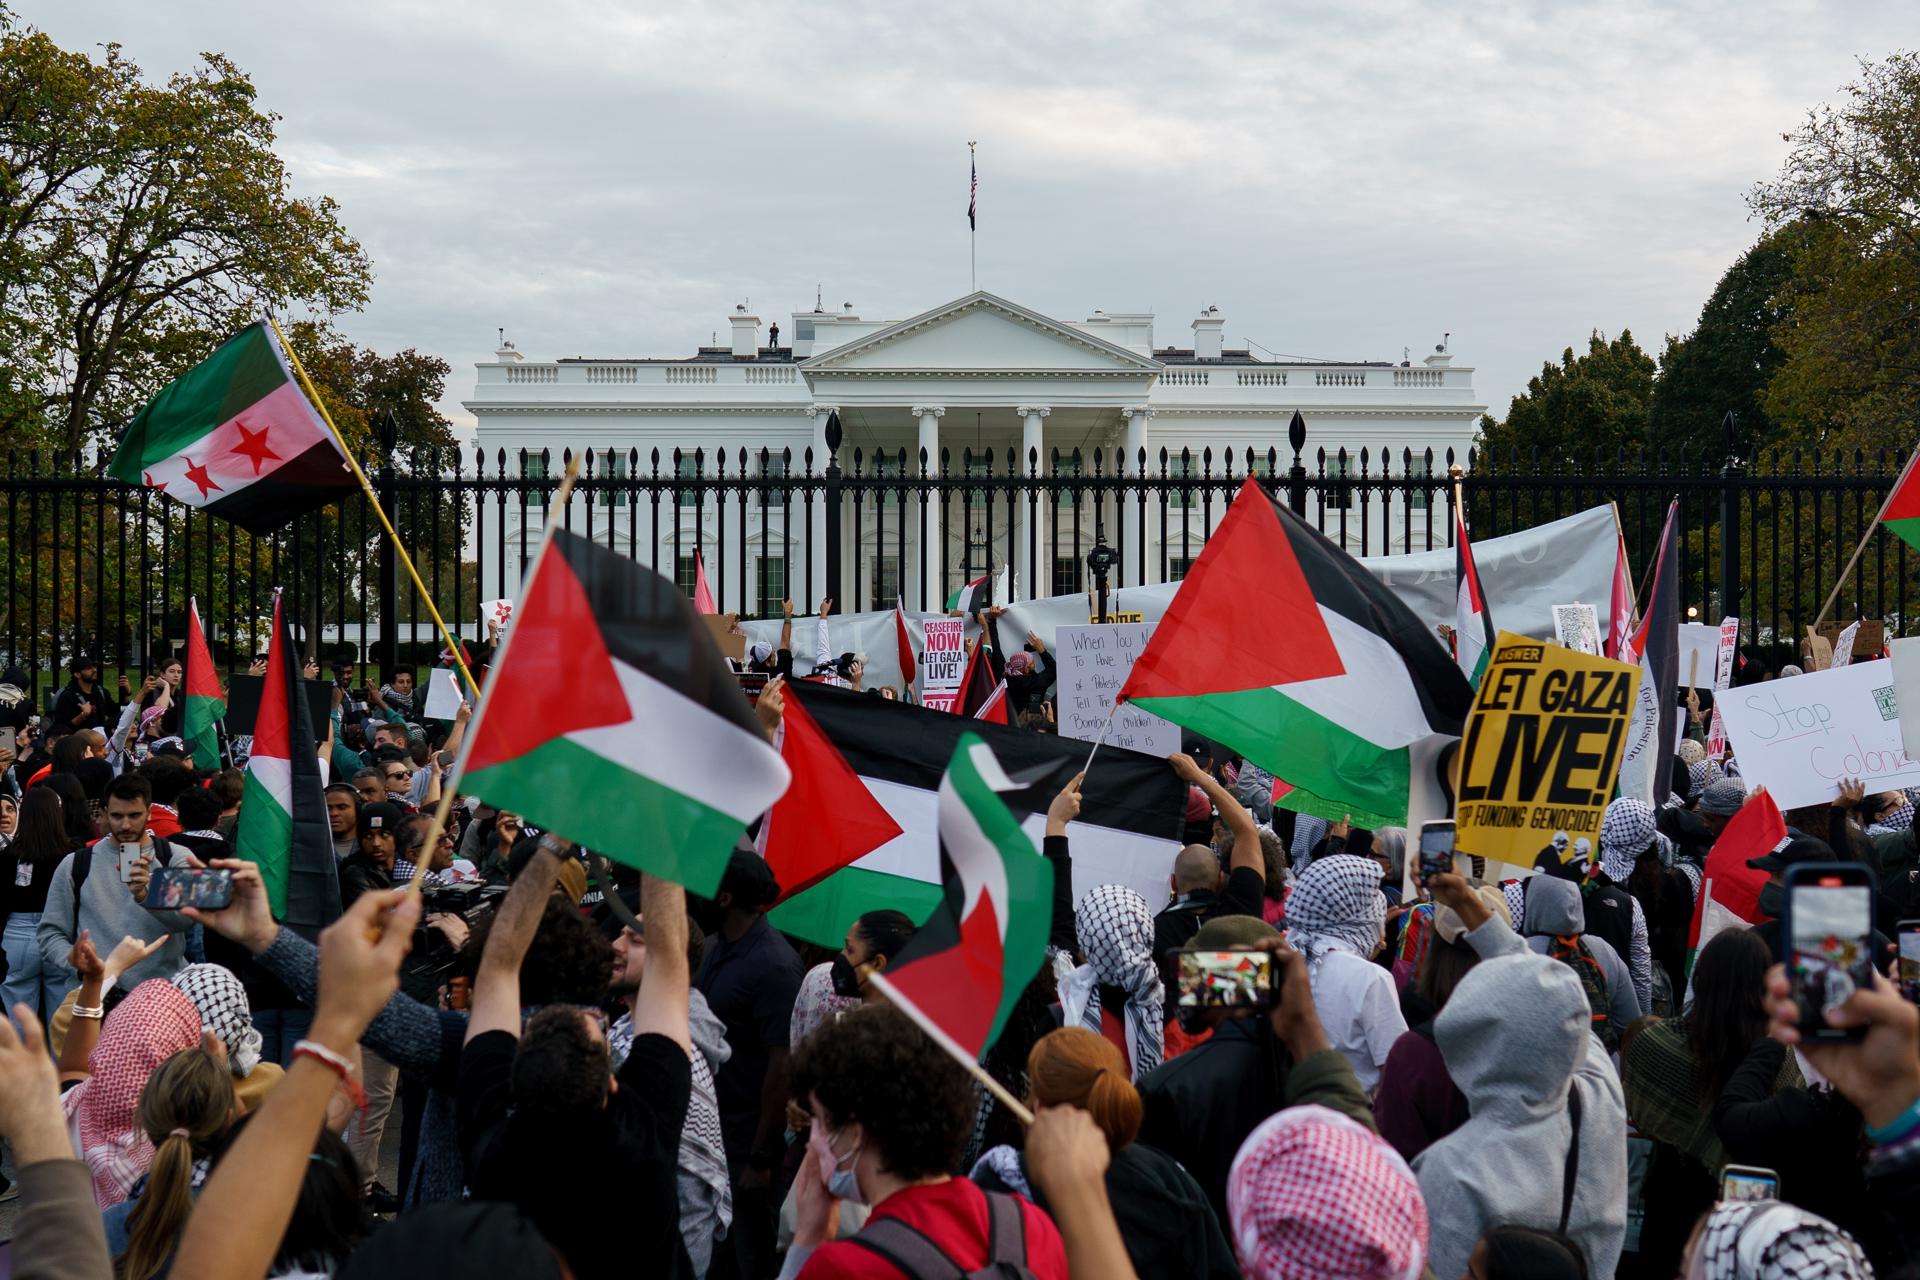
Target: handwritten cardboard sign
943 662
1093 663
1542 748
1802 735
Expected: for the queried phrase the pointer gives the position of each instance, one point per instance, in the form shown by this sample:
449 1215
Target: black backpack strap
910 1251
1006 1230
82 866
1573 1156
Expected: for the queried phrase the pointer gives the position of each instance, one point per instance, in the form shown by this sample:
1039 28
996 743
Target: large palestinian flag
961 974
1646 768
234 436
1472 620
1280 646
858 829
611 718
1901 514
203 702
283 826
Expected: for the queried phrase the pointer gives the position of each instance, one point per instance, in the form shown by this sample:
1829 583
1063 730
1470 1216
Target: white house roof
980 331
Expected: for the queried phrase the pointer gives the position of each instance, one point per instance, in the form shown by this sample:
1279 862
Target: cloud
1341 179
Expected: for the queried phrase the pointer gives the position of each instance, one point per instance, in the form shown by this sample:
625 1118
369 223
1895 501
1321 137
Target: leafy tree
1600 400
1851 329
140 224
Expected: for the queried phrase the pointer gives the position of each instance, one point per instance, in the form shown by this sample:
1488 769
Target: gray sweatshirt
1554 910
109 913
1515 1039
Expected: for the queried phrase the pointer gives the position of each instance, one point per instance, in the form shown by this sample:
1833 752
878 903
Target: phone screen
1744 1182
1910 960
177 887
1226 980
1831 943
1436 849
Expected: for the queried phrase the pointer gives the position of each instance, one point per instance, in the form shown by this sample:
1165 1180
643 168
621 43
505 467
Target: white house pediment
980 332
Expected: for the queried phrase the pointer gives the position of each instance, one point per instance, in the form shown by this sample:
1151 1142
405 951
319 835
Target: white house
978 374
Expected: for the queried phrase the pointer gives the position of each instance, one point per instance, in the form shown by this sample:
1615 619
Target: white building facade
976 377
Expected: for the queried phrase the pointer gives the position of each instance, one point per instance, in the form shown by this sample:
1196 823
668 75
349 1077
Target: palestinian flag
1646 769
233 436
1472 620
1280 646
961 974
977 684
1620 605
202 702
903 642
978 594
858 829
610 717
283 826
1729 896
995 707
702 593
1901 514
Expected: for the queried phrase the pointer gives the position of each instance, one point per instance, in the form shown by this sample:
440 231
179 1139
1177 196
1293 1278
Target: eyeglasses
396 777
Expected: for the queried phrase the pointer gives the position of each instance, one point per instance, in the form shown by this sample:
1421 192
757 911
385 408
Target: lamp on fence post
1297 475
1099 564
1729 523
389 652
833 511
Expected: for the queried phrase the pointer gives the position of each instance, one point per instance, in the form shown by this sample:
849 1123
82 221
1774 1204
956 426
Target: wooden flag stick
959 1055
366 486
447 788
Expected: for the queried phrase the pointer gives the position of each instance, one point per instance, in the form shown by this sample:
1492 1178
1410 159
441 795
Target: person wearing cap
371 865
1201 891
85 703
1797 850
750 978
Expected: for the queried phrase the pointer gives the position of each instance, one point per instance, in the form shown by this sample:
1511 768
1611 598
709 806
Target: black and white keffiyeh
224 1010
1115 927
1337 900
1768 1240
1625 833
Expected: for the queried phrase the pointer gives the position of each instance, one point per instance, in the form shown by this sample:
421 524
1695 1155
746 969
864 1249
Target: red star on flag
197 472
254 445
160 485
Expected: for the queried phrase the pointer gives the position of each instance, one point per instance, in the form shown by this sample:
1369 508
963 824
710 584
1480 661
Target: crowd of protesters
577 1070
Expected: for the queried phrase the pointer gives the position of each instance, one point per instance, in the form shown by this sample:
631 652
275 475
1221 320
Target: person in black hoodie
85 703
1165 1222
371 865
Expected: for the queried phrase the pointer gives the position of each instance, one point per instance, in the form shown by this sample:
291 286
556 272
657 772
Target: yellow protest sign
1542 748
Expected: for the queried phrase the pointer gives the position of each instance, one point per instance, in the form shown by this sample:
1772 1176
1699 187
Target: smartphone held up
1828 929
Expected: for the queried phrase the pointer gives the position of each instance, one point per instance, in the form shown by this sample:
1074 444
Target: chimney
746 333
1206 334
1442 355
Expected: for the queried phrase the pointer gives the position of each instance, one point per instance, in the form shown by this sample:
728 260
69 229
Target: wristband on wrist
335 1063
1901 1126
97 1011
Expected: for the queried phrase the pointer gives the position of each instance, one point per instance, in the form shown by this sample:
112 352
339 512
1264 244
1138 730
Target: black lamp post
1099 564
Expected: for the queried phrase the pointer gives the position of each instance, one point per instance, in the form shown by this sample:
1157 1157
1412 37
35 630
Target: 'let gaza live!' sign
1802 735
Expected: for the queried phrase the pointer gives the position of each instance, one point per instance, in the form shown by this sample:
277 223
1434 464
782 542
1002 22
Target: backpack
913 1254
1572 951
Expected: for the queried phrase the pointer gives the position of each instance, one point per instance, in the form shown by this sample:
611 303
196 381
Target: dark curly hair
559 1069
568 962
875 1066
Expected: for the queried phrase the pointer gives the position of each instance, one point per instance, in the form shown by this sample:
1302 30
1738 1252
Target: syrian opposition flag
202 702
234 436
1472 620
858 830
611 718
702 593
283 826
903 639
1646 768
1729 896
962 972
1620 606
1278 645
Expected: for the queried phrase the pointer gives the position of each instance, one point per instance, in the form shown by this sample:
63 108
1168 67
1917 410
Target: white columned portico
1030 521
817 526
1134 566
925 567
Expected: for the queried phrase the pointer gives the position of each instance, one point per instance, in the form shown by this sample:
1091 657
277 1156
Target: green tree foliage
1851 335
140 224
1600 400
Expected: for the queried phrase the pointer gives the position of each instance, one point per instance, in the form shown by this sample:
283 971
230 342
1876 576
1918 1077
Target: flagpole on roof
447 788
366 486
973 194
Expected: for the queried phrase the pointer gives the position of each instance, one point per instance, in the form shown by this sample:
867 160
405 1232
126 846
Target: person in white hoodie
1546 1144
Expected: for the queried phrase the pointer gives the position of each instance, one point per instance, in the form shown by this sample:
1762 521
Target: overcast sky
1342 179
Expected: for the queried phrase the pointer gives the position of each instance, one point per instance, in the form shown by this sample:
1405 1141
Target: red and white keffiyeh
153 1023
1314 1194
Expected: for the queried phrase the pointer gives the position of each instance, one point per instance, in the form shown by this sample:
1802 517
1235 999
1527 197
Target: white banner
1904 658
1093 663
1801 736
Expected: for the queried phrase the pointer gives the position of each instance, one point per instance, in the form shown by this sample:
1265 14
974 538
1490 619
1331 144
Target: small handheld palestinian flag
1280 646
1901 514
1729 896
903 642
962 973
283 826
662 765
983 591
1472 620
203 704
234 436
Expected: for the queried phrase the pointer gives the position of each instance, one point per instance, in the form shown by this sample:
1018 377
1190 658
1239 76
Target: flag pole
973 185
1104 725
445 805
1866 537
453 644
987 1082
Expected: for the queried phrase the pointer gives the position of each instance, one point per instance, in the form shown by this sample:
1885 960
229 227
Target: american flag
973 191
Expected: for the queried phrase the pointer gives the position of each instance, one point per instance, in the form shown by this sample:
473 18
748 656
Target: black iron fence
93 565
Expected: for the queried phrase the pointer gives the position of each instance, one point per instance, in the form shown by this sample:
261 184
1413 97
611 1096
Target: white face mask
840 1180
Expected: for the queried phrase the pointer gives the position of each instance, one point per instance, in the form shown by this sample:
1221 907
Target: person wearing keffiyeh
225 1011
1768 1240
1626 832
1117 992
153 1023
1336 916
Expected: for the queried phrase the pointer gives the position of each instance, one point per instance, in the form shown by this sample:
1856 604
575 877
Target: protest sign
498 612
1577 627
943 663
1722 678
1802 735
1092 663
1816 651
443 694
1843 645
1542 748
1699 650
1904 658
726 633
